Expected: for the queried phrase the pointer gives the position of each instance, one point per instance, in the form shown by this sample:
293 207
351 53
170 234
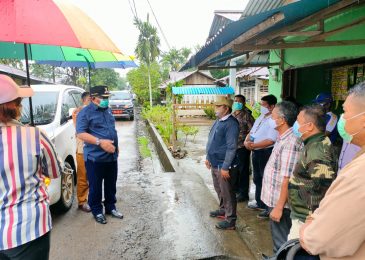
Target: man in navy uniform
96 127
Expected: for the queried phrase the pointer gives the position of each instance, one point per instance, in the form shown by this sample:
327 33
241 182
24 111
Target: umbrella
26 25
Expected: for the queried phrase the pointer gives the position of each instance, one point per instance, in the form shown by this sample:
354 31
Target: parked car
121 104
52 109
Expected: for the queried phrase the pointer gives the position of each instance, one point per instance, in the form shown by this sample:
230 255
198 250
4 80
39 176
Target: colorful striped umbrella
51 22
26 25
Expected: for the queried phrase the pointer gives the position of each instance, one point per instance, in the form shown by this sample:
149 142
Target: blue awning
202 90
292 13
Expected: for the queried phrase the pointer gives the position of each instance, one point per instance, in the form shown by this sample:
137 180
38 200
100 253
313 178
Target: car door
65 133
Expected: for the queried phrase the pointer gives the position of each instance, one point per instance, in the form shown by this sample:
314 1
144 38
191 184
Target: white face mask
264 110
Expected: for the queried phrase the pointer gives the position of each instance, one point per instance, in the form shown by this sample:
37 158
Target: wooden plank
241 47
323 36
239 66
309 20
300 33
271 21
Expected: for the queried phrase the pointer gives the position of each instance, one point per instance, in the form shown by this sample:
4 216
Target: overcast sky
185 23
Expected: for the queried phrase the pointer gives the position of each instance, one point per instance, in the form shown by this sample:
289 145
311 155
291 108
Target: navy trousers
97 172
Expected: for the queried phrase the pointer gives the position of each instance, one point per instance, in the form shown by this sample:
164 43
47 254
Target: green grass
143 147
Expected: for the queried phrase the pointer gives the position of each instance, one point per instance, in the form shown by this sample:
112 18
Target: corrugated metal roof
221 19
258 6
292 12
4 69
202 90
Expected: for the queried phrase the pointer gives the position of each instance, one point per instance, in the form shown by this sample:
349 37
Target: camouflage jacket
246 121
312 176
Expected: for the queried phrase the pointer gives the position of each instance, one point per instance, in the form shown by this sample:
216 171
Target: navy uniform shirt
98 122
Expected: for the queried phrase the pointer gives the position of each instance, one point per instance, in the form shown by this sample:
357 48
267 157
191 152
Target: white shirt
262 130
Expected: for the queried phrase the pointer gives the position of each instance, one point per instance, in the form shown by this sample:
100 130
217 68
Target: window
77 97
67 103
44 108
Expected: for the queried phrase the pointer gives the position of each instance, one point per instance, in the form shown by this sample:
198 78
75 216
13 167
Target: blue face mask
237 106
296 131
104 103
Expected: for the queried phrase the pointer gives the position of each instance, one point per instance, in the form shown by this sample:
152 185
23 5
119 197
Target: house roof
4 69
259 6
252 72
177 76
221 46
221 19
202 90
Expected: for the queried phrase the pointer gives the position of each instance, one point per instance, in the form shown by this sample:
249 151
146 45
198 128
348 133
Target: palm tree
147 49
175 58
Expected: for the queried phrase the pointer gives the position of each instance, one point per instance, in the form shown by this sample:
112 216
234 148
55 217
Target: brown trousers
82 184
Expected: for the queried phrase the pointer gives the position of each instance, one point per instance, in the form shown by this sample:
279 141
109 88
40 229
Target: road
165 215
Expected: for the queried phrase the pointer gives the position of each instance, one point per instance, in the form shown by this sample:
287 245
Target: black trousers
97 173
38 249
243 156
259 160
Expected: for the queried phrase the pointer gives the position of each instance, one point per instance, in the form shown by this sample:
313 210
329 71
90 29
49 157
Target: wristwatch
97 141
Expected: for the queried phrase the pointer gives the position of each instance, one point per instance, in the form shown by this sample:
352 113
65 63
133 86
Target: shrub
210 113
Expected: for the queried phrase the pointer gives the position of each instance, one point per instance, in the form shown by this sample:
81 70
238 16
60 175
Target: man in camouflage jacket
316 168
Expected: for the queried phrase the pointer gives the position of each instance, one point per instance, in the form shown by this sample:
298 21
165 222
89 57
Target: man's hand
276 214
107 145
207 164
225 174
249 145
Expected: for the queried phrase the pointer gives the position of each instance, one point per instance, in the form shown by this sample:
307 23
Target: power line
159 26
134 10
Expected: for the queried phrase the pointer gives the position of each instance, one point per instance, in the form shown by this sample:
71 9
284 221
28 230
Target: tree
147 49
18 64
107 77
138 79
219 73
44 71
175 58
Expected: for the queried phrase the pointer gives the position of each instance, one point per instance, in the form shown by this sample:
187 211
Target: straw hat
222 100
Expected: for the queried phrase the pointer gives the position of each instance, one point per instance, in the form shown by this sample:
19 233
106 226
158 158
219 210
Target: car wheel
131 118
67 189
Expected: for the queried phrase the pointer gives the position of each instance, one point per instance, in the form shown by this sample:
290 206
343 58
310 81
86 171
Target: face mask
104 103
264 110
272 124
237 106
296 131
342 131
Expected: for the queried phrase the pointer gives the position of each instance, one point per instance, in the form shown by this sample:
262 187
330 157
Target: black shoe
225 225
217 214
253 205
100 218
115 214
264 214
241 198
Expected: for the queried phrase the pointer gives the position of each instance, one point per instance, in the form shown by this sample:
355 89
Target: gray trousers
280 230
225 192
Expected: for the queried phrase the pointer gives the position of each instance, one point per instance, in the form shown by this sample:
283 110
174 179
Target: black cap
101 91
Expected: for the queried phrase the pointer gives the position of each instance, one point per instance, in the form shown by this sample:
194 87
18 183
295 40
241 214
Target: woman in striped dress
27 157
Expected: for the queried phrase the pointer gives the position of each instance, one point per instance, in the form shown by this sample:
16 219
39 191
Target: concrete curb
167 161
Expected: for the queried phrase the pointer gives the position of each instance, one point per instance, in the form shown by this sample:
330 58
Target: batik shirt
246 122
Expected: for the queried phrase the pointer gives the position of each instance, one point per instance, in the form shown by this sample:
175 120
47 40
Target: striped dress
27 156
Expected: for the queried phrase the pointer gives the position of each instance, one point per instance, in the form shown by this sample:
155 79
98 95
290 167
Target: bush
143 147
189 130
210 113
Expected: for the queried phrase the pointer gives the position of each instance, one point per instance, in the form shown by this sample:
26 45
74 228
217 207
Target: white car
52 105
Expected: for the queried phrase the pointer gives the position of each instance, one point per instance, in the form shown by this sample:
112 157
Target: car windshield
120 96
44 108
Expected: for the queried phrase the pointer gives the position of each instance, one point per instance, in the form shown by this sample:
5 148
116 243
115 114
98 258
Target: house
190 78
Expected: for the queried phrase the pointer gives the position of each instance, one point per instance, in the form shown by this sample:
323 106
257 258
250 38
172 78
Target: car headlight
47 181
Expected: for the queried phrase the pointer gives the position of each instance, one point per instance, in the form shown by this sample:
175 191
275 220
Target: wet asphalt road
165 215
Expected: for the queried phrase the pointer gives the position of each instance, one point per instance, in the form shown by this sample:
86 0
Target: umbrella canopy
93 65
59 54
51 22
